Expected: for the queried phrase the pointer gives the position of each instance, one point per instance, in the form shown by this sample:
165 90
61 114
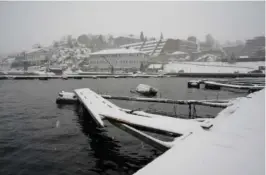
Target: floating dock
101 109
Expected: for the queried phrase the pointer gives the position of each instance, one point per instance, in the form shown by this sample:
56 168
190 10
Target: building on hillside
203 46
116 59
156 48
37 56
254 46
236 50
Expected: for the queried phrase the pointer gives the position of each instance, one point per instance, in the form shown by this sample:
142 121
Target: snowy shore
234 145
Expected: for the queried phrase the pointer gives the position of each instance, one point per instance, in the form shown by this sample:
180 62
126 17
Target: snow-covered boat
146 90
66 97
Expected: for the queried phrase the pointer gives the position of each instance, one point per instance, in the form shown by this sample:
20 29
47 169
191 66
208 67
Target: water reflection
106 150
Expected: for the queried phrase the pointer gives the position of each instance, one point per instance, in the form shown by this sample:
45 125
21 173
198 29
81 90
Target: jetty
134 122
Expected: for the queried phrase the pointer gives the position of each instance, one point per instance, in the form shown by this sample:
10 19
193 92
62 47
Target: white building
118 59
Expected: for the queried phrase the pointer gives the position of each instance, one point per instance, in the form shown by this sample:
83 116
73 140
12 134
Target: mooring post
189 110
175 111
194 111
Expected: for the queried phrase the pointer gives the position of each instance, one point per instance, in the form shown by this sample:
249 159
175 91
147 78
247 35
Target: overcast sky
23 24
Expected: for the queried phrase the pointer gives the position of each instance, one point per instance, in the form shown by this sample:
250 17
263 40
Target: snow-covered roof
36 50
116 51
179 53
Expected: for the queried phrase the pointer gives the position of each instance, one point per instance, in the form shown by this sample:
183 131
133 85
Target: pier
96 76
101 109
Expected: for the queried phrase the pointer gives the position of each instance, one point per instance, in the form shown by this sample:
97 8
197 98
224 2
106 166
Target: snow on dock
165 124
94 103
234 145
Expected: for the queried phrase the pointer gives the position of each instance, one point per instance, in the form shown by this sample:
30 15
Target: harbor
132 88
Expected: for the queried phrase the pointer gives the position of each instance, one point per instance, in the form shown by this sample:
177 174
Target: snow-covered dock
100 108
234 145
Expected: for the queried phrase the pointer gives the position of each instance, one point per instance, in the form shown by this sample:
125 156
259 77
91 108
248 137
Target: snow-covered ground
234 145
212 67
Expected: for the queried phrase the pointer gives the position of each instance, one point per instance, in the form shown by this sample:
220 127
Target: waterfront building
116 59
254 48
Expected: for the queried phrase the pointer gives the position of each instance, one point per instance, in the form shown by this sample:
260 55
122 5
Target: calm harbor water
39 137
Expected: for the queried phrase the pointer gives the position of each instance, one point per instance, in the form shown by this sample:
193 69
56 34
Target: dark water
39 137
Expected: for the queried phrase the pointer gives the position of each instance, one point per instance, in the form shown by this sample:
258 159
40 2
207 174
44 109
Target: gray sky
23 24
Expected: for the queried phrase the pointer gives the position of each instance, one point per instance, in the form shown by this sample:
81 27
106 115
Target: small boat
66 98
146 90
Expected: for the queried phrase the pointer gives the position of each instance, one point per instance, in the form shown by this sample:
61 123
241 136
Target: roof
179 53
116 51
234 145
36 50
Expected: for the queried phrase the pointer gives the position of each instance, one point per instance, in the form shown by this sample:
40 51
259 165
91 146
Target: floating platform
100 109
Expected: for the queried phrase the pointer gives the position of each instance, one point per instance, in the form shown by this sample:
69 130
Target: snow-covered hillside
69 55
